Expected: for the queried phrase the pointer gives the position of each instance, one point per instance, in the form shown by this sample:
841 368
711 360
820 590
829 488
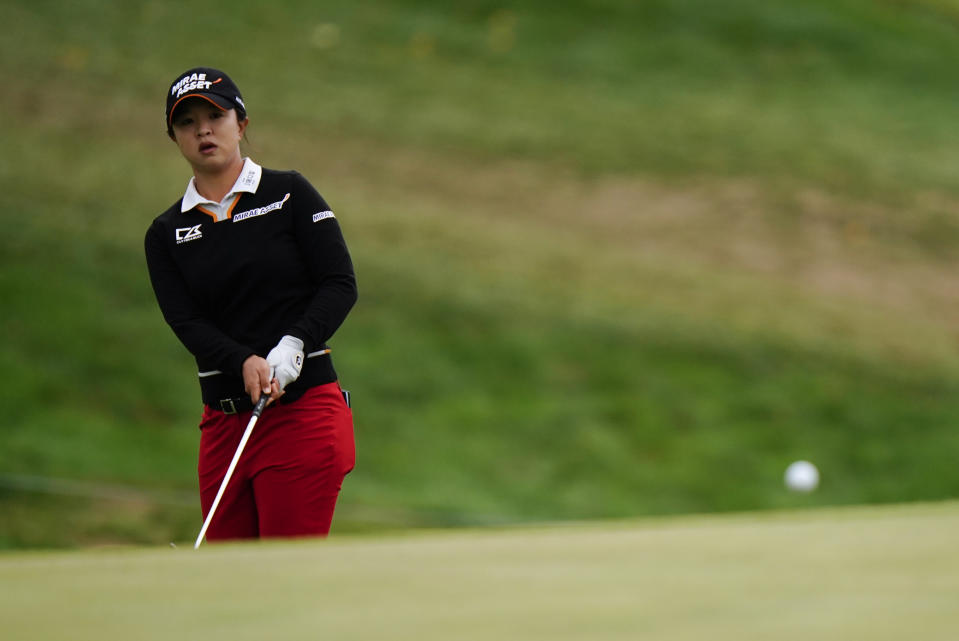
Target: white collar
248 181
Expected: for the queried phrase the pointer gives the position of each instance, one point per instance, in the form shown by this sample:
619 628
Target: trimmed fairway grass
854 573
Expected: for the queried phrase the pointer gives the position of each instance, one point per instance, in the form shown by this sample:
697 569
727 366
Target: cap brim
217 101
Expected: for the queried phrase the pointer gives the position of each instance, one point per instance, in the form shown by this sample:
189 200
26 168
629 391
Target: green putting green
853 573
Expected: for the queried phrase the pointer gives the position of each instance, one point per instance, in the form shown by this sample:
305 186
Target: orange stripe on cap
191 95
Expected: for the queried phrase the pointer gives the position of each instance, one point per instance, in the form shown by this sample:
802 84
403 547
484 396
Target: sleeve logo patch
322 215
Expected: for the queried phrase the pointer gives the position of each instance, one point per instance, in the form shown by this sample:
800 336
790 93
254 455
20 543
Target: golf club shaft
229 472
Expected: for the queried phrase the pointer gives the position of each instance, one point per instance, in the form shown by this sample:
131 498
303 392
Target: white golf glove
286 359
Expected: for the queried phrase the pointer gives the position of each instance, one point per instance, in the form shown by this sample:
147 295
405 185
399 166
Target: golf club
264 398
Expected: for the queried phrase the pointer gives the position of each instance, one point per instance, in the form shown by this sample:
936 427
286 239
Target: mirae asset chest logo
259 211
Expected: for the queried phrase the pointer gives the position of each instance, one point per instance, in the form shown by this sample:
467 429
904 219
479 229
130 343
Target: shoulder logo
322 215
186 234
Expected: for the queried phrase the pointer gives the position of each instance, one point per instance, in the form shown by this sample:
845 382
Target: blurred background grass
614 258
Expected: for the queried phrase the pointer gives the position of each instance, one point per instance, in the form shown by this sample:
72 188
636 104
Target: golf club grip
261 404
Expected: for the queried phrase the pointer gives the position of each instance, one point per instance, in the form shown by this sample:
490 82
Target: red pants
291 470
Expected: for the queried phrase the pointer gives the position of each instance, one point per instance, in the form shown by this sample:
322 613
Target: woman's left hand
258 379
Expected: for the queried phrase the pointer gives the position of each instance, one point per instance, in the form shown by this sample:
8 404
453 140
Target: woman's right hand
256 379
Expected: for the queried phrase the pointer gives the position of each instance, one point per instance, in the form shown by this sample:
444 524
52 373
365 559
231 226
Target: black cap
207 83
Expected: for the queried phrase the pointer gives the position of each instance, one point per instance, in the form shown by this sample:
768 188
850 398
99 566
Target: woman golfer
252 274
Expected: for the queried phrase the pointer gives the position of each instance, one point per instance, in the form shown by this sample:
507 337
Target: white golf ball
802 476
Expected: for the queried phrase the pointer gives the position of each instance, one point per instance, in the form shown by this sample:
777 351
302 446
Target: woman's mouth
207 148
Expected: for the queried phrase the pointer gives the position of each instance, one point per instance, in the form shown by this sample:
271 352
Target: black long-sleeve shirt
229 289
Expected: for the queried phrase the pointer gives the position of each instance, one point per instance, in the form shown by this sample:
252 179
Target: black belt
235 405
244 404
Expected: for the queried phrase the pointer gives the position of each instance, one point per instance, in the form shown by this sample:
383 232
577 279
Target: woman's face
208 137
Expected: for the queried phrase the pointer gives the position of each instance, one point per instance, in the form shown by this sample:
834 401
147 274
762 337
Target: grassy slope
879 573
613 260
